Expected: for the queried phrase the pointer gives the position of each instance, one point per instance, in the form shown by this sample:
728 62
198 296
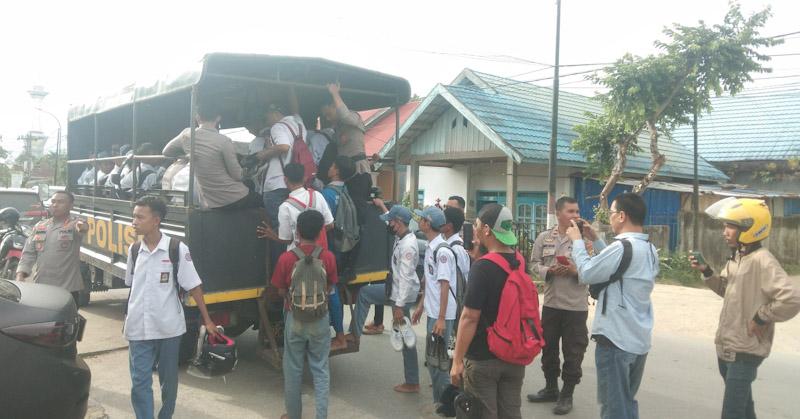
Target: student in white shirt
454 217
438 302
155 321
299 200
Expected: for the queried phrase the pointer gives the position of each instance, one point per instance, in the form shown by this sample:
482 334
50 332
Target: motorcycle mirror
44 192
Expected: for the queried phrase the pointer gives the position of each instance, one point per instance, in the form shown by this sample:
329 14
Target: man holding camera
565 308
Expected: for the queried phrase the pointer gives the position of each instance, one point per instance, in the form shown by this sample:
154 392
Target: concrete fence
783 241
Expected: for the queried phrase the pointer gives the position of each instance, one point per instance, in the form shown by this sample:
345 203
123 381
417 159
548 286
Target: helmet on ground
751 216
216 355
9 216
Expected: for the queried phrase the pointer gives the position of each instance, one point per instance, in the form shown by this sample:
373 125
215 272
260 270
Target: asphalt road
681 378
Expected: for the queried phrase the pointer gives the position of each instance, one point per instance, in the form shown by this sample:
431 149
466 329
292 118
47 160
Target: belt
358 157
604 341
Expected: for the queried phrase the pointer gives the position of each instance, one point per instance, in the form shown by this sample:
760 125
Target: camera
375 192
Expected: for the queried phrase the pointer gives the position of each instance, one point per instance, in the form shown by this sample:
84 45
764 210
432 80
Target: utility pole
695 190
551 192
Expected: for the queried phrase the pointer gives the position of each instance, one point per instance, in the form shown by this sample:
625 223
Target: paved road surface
681 377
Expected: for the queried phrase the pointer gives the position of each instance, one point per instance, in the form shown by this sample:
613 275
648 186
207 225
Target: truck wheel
84 296
10 269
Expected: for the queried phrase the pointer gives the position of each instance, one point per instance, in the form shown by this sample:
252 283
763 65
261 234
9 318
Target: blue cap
434 215
398 212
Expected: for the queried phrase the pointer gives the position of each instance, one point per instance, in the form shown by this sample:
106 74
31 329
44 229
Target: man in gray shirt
350 132
217 170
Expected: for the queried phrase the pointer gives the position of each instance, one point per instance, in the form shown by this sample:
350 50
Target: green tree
656 93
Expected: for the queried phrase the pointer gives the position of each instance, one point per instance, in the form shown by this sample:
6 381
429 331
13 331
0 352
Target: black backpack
596 289
174 258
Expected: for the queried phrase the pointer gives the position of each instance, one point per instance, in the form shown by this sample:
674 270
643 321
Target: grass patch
675 269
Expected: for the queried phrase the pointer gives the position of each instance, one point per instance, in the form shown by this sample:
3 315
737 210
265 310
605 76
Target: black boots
563 406
551 394
547 394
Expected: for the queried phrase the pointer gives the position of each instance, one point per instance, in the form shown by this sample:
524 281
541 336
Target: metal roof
516 116
762 124
736 191
361 88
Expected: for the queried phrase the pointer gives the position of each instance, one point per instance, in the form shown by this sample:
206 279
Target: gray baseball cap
434 215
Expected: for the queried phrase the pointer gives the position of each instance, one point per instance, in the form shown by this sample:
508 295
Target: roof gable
516 116
759 125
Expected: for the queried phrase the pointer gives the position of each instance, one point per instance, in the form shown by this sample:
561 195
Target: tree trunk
616 172
658 160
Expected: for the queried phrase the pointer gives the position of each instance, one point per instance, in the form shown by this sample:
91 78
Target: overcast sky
79 50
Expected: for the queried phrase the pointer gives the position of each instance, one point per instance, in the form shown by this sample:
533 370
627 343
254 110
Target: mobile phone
562 260
698 257
467 235
579 223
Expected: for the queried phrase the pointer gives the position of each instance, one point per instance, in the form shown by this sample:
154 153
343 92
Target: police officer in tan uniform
565 309
54 248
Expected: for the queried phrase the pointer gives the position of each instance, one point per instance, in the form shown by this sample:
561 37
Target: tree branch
616 172
658 159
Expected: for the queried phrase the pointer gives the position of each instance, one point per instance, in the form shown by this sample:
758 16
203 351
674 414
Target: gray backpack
346 231
308 292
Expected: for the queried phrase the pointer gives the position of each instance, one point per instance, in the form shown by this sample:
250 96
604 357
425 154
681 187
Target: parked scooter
12 240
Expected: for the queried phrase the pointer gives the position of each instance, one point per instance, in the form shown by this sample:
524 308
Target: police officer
565 308
54 248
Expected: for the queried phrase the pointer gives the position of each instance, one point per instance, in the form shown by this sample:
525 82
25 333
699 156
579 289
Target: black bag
467 407
596 289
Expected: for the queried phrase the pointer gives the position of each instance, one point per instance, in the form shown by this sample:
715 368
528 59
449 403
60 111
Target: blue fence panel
662 206
791 206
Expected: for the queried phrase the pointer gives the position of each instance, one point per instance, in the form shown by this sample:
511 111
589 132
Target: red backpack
302 155
516 335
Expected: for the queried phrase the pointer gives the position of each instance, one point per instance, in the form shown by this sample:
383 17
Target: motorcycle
12 240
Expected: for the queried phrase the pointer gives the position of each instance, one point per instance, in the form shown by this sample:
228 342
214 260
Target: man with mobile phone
565 309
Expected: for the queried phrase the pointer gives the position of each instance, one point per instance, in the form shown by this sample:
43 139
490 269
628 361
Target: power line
791 54
784 35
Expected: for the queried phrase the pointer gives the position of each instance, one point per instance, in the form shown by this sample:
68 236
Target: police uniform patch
164 277
442 259
430 269
409 256
64 245
188 257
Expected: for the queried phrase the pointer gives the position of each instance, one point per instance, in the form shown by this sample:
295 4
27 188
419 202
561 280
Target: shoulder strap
300 205
299 252
498 260
317 251
291 131
175 258
310 198
135 255
625 262
457 243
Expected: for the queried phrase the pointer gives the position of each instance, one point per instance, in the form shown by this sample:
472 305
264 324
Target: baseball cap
434 215
500 220
398 212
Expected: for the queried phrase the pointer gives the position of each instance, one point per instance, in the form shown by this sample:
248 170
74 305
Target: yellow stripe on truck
370 277
227 296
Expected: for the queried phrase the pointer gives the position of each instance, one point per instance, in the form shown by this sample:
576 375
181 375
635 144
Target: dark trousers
739 376
359 187
251 200
568 327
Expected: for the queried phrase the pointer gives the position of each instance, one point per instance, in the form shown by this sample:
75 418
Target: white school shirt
288 213
154 311
282 136
441 269
405 283
462 257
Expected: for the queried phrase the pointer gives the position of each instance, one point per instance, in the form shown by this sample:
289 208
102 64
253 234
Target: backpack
346 231
322 240
308 290
301 154
596 289
461 281
143 176
174 258
516 335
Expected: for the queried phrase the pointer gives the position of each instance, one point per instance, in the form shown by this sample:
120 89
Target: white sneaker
409 337
396 339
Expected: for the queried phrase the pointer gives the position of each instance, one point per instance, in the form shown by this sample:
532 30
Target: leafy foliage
658 92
